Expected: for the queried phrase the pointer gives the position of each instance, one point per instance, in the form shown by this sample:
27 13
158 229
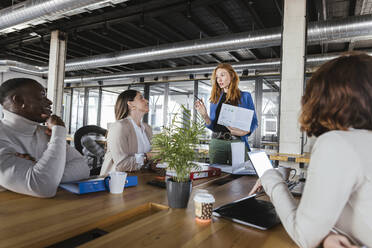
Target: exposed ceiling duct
16 66
336 30
35 12
325 31
267 64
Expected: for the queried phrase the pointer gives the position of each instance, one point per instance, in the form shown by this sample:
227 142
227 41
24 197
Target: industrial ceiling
109 27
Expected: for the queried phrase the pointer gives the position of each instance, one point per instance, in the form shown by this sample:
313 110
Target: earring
23 106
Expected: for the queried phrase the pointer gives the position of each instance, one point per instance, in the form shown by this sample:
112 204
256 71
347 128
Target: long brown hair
121 105
339 95
233 93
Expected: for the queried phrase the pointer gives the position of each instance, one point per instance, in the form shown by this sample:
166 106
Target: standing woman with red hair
336 108
225 89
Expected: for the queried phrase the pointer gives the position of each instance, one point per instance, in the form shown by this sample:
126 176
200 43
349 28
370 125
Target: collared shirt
143 142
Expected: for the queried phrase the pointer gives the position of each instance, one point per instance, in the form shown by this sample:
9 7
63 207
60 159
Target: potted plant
176 146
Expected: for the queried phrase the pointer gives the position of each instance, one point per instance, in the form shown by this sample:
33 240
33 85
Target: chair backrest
93 152
90 129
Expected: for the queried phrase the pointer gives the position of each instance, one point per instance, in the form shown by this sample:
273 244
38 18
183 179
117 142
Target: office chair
85 143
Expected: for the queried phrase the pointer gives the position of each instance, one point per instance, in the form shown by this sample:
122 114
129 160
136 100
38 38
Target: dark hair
121 105
11 85
339 95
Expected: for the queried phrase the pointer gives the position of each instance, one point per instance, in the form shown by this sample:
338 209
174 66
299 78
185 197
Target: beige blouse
122 145
337 193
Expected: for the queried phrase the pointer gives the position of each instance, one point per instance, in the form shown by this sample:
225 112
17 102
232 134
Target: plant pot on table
178 193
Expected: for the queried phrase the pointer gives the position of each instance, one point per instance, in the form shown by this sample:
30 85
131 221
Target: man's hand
237 132
25 156
53 120
337 241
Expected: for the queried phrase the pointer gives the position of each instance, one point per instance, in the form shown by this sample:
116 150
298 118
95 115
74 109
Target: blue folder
94 185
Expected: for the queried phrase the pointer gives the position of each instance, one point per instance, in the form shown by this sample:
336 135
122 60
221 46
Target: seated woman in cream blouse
128 137
336 108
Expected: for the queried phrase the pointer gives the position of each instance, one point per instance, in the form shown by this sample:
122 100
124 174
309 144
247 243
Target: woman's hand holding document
236 117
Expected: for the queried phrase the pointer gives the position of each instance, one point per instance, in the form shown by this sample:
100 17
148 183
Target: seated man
34 159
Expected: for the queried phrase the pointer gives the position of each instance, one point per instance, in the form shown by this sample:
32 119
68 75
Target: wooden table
137 218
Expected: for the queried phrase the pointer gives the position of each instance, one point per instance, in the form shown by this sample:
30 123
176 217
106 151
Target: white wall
9 75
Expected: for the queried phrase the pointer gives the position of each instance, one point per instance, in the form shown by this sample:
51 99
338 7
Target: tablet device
250 212
260 162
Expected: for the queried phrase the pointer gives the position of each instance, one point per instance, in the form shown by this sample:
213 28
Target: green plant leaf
176 144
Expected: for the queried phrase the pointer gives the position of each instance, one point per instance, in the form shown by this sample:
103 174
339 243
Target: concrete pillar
292 75
258 105
56 73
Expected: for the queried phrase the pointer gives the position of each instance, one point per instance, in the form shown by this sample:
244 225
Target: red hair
233 93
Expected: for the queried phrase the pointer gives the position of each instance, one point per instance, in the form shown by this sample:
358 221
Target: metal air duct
34 12
16 66
325 31
267 64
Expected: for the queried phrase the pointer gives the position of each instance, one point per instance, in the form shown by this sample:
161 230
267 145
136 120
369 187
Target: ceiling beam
257 21
154 8
279 7
197 23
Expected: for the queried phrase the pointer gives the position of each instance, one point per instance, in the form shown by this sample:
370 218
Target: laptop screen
260 162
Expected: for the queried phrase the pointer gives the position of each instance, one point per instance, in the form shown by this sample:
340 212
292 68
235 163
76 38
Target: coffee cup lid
204 198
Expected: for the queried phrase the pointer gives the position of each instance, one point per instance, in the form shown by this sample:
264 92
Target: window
108 107
156 108
77 110
93 101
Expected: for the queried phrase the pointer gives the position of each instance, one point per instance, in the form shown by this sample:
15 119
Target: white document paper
233 116
237 153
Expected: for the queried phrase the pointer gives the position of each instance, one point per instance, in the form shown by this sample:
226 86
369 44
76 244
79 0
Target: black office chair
85 142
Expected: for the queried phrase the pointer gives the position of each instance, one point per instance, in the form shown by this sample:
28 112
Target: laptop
260 162
245 168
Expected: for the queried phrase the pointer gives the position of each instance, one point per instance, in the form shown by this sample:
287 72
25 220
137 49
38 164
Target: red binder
210 172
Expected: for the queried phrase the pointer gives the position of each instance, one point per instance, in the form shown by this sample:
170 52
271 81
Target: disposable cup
203 203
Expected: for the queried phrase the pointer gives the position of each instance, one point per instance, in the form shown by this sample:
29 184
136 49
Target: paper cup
203 207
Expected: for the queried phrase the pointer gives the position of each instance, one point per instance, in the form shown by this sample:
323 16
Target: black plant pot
178 193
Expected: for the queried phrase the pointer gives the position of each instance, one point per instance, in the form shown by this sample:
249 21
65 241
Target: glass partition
270 115
93 102
180 93
107 107
77 110
66 107
156 106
